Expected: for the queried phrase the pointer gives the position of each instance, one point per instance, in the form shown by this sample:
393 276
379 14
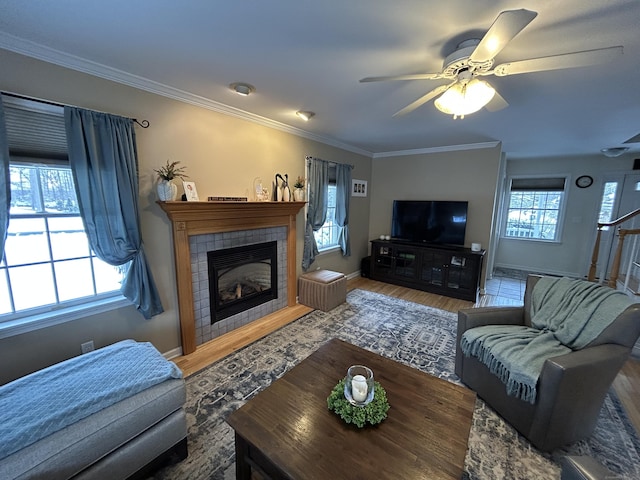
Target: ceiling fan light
465 98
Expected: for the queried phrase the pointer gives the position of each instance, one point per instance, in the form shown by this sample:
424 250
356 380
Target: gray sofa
571 387
127 439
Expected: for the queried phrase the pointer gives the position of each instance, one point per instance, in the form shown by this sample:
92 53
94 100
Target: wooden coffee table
286 431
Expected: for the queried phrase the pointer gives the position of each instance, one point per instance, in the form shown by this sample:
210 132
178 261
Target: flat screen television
424 221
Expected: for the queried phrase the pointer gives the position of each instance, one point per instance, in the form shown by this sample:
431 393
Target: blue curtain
5 184
103 159
316 208
343 194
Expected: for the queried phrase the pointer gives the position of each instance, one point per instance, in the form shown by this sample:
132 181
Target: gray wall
223 155
470 175
572 255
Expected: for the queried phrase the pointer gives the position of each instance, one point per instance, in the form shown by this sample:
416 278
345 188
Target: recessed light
305 115
243 89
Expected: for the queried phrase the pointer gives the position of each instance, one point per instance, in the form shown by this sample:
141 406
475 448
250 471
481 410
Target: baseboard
176 352
526 270
353 275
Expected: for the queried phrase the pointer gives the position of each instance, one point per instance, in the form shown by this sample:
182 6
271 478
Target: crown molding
448 148
56 57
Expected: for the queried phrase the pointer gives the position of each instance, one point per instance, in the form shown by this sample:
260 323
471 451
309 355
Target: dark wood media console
450 271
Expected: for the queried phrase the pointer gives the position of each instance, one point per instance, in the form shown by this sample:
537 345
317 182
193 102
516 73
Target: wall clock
584 181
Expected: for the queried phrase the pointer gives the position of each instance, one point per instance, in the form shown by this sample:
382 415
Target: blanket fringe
514 387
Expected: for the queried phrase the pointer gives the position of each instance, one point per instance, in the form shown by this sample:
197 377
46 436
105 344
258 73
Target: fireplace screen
241 278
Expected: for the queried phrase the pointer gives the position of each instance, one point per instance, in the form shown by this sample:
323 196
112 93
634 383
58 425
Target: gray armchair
571 388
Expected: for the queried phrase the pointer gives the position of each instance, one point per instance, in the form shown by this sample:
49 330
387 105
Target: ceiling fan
474 58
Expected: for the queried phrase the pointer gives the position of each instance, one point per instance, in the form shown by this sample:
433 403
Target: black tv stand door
442 270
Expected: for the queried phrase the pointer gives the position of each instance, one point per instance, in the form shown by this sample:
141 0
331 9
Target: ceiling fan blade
417 76
556 62
508 24
497 103
422 100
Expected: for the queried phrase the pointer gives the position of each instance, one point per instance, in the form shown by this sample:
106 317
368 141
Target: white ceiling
310 56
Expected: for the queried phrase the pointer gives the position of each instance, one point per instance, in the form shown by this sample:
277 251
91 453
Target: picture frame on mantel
190 191
358 188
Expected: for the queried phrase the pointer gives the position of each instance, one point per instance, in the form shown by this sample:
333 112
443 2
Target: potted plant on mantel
167 190
298 192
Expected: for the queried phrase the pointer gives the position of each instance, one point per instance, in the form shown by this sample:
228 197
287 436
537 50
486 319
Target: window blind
35 131
556 184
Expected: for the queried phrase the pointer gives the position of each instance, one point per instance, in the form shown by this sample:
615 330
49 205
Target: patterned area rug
419 336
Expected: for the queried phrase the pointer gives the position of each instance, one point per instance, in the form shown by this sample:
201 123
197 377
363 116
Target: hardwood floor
626 384
222 346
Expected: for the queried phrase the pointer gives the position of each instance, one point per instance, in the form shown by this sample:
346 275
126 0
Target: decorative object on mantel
282 191
298 192
286 191
277 188
372 413
190 191
261 193
167 190
227 199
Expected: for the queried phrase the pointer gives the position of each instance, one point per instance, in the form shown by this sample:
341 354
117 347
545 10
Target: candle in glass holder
359 388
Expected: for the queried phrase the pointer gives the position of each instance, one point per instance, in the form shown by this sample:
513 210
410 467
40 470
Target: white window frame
561 210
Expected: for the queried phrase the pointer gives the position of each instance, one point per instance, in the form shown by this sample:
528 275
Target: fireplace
199 227
241 278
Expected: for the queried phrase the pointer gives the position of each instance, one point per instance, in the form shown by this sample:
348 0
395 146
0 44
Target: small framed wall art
190 191
358 188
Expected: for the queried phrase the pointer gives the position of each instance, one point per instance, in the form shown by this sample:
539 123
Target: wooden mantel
200 218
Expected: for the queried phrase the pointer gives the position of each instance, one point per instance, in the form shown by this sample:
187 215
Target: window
535 206
47 259
327 236
47 263
607 203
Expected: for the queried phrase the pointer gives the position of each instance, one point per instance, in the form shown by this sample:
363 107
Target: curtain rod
309 157
143 123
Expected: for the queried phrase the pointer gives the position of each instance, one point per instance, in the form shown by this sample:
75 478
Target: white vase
298 195
286 193
167 191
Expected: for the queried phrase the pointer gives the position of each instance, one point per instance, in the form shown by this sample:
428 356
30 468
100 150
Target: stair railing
615 268
622 233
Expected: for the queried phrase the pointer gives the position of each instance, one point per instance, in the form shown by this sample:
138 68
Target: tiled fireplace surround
199 227
199 246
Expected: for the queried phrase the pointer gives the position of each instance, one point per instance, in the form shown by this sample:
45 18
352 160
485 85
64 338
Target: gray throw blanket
566 315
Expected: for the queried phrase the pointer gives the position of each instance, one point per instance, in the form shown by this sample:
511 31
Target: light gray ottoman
144 427
322 289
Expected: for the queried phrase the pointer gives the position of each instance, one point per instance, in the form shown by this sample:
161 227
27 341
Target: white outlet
87 346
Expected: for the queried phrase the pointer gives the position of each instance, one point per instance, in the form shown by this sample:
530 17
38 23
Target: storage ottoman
322 289
113 413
